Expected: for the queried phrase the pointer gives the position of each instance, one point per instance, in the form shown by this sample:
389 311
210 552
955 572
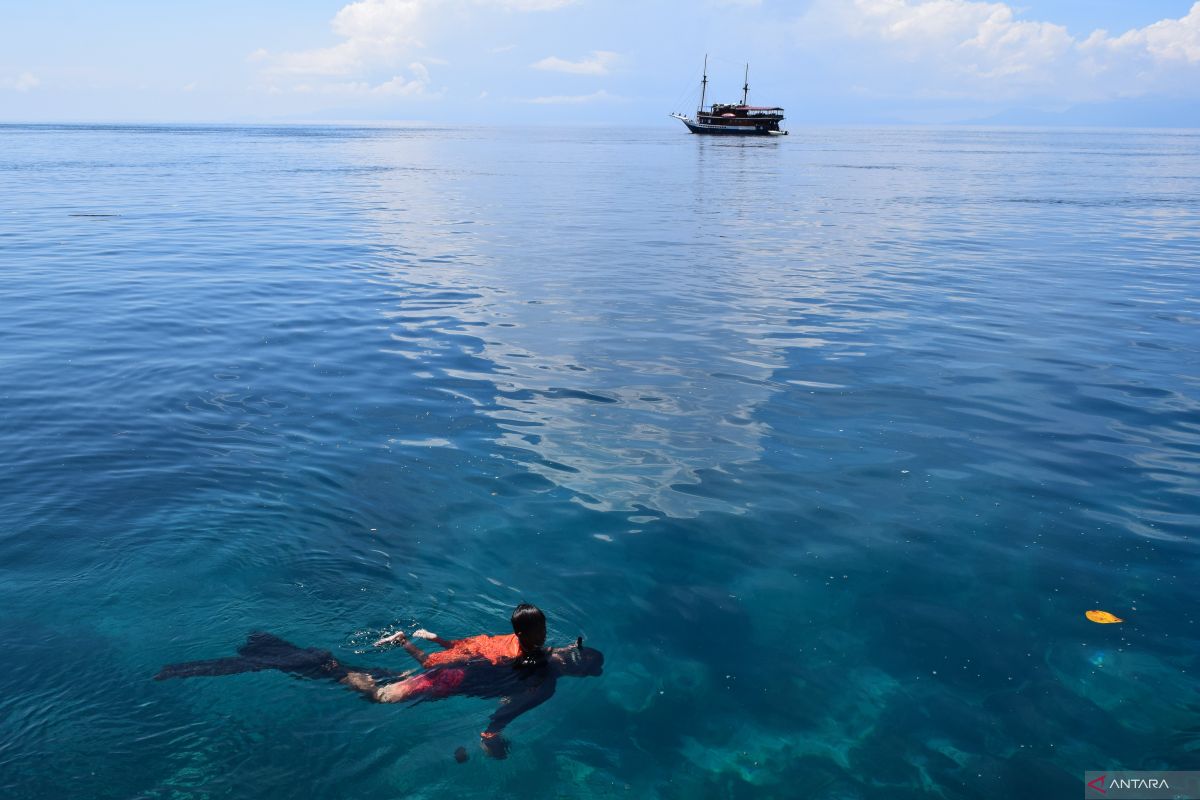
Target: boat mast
746 86
703 87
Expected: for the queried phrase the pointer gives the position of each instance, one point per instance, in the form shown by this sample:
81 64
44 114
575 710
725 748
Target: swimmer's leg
432 685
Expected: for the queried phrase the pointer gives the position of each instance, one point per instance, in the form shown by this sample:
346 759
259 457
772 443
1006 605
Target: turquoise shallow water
827 443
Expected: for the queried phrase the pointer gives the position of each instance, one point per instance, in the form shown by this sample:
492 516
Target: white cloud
597 64
970 48
376 37
1165 41
414 85
396 86
375 34
574 99
527 5
24 82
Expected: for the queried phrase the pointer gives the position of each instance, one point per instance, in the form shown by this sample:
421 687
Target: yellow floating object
1103 617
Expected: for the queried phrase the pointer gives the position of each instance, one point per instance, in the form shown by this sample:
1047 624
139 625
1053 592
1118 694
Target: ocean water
826 442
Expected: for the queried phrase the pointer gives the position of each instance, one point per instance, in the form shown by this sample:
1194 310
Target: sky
828 62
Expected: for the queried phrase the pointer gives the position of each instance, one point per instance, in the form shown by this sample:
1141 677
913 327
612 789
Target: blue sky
1131 62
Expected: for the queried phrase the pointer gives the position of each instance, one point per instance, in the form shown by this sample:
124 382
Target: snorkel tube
581 662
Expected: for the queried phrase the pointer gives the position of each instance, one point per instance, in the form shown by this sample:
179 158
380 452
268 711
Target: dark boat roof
753 108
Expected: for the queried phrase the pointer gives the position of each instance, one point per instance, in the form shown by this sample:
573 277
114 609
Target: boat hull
727 130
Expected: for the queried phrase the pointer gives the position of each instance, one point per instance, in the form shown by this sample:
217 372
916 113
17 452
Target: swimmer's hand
398 636
494 744
421 633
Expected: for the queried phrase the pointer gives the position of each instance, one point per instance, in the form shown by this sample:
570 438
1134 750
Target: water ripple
827 443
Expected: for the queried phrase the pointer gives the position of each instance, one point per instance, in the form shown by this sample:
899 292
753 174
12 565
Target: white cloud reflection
592 379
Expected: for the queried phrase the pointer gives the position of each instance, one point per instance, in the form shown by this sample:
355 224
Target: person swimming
526 642
520 684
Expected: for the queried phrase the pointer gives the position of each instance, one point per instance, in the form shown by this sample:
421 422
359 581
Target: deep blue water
827 442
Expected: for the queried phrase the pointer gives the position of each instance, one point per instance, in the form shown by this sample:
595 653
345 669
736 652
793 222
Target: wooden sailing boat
727 119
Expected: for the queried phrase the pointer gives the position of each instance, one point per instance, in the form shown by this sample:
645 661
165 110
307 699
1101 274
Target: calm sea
827 442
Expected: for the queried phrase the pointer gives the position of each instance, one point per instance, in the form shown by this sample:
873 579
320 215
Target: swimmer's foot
396 692
360 682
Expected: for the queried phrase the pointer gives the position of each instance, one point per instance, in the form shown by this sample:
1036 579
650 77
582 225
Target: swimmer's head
579 661
529 624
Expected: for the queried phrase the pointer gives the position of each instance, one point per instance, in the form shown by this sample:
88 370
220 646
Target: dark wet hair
529 624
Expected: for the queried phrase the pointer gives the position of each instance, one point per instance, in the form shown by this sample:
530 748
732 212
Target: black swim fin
264 651
214 666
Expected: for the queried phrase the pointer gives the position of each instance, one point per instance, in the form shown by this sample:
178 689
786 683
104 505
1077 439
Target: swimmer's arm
409 647
510 708
420 633
430 636
390 638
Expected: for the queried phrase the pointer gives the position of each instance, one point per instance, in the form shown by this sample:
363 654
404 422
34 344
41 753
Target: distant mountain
1133 113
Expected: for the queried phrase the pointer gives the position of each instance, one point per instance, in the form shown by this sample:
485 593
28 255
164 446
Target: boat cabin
742 116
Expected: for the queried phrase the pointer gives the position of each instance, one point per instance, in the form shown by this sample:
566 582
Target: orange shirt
494 648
